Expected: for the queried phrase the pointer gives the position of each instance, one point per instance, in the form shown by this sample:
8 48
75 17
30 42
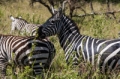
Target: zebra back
25 51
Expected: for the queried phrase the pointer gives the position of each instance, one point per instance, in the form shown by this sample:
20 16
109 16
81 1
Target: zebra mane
73 22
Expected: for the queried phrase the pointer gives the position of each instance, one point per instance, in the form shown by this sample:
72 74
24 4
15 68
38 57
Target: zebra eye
52 21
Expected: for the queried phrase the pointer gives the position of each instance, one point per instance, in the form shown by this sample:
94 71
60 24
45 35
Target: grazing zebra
25 51
103 53
23 26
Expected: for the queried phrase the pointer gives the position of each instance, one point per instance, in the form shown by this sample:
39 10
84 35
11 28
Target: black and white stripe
18 24
25 51
104 53
23 26
32 28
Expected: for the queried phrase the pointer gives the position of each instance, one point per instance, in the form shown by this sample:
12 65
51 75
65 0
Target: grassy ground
100 27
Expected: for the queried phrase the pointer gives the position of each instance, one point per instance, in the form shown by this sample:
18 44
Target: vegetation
100 27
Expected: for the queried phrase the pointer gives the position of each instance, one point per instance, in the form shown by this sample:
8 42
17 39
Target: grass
99 27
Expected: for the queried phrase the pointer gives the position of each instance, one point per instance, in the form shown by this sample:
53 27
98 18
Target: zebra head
52 26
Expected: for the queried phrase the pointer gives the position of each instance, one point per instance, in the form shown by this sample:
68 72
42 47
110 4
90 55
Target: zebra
32 28
18 24
105 54
25 51
23 26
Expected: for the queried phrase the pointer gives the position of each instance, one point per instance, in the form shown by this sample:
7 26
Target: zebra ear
53 11
12 18
62 8
63 5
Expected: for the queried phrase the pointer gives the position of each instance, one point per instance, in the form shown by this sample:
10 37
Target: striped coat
32 28
103 53
25 51
18 24
23 26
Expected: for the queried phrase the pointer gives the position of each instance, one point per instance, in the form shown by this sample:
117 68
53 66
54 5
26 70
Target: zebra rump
25 51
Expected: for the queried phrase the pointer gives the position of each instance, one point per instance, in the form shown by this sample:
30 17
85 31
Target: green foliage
1 13
97 26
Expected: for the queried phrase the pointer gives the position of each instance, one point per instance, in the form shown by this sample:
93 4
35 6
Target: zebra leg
3 67
21 69
14 69
18 69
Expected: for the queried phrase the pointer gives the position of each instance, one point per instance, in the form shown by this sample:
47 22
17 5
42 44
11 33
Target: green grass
99 27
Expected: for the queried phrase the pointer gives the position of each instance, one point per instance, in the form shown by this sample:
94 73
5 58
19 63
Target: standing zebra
23 26
107 52
25 51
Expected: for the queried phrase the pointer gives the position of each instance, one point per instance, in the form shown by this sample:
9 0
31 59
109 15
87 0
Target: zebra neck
68 38
68 32
69 43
